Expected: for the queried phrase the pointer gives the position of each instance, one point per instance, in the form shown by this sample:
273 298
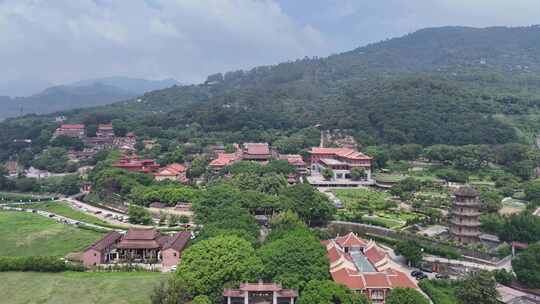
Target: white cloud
64 40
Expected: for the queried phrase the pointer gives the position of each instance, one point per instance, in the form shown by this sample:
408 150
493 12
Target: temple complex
147 246
365 267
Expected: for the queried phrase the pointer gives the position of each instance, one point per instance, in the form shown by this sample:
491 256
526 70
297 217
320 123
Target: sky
44 42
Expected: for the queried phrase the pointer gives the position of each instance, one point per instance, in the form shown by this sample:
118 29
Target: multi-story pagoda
465 215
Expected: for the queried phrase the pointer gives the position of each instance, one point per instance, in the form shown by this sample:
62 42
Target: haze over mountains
80 94
454 85
457 85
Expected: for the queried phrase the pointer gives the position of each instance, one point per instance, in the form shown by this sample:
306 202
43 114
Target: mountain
136 86
440 85
82 94
452 85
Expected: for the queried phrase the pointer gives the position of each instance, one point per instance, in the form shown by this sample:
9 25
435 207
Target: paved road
81 206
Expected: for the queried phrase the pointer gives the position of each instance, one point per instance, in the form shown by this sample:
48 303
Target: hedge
36 263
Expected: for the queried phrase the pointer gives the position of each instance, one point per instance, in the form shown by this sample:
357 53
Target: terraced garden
373 207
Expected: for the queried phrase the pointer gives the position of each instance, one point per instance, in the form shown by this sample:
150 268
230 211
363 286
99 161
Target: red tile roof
257 148
171 170
374 254
224 159
400 279
260 287
342 152
350 240
376 280
73 126
105 242
178 241
293 159
349 278
141 234
333 254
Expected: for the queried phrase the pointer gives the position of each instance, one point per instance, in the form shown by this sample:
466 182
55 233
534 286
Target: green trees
406 296
532 191
120 127
411 251
523 227
491 201
171 291
478 287
53 160
294 259
358 174
312 207
139 215
67 142
327 173
210 265
527 266
326 291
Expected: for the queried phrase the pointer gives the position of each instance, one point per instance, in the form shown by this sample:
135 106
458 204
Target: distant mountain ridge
452 85
81 94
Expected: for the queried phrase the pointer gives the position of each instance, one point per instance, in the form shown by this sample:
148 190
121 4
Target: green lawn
77 287
27 234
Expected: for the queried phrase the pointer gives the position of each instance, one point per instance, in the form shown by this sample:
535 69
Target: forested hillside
452 85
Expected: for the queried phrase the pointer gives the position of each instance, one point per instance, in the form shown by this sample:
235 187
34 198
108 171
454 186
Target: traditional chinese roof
466 191
171 170
137 238
105 126
342 152
72 126
141 234
344 268
256 148
260 287
178 241
293 159
374 254
105 242
349 278
350 240
224 159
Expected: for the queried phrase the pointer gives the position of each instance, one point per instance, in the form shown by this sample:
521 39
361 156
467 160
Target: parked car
421 276
51 215
416 273
97 212
442 276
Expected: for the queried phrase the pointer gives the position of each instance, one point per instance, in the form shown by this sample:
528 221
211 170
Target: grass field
77 287
27 234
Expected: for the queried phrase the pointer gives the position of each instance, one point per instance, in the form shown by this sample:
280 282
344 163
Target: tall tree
527 266
478 288
294 259
210 265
